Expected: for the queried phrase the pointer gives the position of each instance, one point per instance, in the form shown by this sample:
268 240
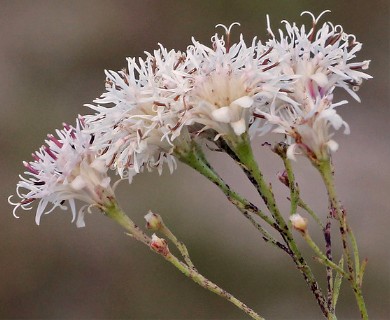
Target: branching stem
241 151
114 212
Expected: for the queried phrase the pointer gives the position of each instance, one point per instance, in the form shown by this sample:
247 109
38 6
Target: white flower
65 169
308 132
317 61
227 82
141 127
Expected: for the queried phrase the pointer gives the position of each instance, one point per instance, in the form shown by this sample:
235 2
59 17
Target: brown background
52 56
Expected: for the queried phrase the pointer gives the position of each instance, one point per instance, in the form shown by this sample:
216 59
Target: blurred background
52 57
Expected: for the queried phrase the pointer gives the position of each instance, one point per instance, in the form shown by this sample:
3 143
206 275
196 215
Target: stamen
35 157
333 39
55 140
27 201
178 62
30 168
69 129
259 116
154 66
265 53
50 153
160 104
271 66
112 160
177 125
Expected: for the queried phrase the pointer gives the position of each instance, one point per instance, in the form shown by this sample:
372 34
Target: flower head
65 169
227 82
318 61
139 129
319 58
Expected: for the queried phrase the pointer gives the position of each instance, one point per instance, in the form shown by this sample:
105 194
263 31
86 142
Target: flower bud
153 221
159 245
298 222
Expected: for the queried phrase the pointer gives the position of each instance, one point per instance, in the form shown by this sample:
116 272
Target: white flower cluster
157 102
160 104
317 61
65 169
224 89
139 130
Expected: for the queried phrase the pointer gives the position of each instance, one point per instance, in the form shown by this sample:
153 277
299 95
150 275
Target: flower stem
325 169
337 284
196 160
322 257
310 211
207 284
296 200
114 212
179 245
281 150
241 151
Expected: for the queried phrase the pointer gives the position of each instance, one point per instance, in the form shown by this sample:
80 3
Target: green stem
281 150
240 149
114 212
295 201
310 211
207 284
321 255
325 169
337 283
355 252
196 160
179 245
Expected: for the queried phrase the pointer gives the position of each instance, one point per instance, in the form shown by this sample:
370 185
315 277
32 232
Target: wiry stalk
114 212
196 160
325 169
240 149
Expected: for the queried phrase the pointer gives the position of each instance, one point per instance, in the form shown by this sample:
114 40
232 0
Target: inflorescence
164 102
